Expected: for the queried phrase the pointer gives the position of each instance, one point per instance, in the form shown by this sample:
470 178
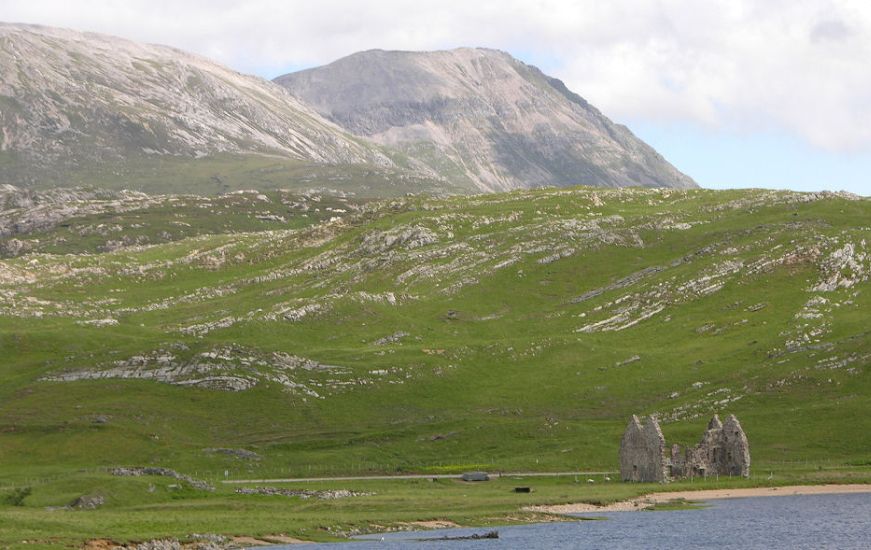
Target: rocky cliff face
70 99
480 116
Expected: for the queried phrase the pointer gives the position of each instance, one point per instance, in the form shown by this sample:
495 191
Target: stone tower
642 452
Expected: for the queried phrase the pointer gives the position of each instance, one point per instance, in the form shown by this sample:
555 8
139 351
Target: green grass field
513 332
223 173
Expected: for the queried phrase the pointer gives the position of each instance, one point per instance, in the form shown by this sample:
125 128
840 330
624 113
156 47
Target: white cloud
767 65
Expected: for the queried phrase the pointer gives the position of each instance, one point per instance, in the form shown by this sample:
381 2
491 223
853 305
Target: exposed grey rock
244 454
204 328
706 328
158 544
88 502
646 304
481 116
629 361
622 283
98 322
844 268
209 538
392 339
225 368
404 237
165 472
297 314
302 493
24 211
14 247
207 541
164 367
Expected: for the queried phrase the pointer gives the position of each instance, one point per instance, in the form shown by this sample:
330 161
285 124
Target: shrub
17 496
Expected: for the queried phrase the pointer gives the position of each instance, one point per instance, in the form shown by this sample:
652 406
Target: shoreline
631 505
646 501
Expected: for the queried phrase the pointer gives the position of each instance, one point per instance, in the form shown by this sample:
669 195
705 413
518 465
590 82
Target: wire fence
760 470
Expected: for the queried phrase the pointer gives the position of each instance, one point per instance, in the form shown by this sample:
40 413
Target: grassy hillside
501 332
223 173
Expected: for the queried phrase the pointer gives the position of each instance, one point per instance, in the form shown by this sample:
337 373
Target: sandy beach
651 499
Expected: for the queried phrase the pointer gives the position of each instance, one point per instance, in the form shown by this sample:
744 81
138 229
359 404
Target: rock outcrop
87 502
165 472
303 493
25 211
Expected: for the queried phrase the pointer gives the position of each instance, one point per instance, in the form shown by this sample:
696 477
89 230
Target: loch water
793 522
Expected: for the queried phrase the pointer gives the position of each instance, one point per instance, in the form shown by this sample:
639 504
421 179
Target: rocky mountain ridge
481 116
81 108
69 100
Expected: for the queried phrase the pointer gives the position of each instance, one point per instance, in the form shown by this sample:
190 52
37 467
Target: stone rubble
302 493
164 472
242 454
88 502
392 339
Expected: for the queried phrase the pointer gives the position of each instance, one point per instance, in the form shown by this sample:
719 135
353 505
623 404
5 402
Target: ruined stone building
723 450
642 452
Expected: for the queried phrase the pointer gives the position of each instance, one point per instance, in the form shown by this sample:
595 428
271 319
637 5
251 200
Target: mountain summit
480 116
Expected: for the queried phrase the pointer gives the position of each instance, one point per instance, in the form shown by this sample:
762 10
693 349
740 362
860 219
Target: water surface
807 521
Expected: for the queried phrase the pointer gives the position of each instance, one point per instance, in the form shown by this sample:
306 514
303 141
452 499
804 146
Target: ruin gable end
736 449
642 452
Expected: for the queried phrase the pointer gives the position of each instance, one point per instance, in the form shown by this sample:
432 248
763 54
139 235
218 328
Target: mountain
482 117
82 108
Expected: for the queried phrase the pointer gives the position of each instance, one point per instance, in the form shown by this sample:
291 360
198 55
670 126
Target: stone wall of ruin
722 451
642 452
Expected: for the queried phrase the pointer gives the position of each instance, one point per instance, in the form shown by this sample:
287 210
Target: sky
735 93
